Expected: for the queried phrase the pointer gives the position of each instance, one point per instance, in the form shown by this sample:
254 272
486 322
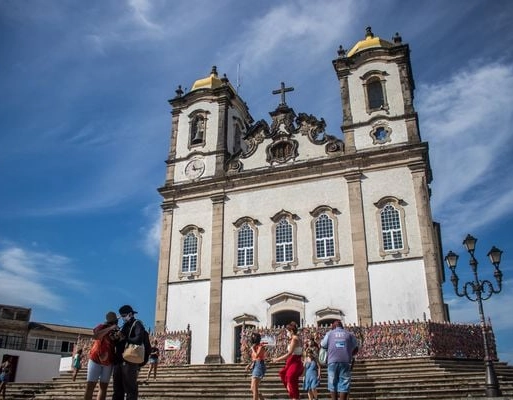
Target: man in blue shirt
341 346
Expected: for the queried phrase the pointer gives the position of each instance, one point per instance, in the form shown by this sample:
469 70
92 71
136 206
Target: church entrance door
284 317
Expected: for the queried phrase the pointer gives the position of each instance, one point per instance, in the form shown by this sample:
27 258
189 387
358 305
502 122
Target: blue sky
85 124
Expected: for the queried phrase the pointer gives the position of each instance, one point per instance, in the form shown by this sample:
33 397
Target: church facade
270 222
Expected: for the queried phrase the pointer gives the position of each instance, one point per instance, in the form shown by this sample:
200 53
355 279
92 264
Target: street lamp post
479 290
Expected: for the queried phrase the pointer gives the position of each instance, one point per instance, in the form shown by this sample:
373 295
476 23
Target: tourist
342 346
5 374
312 374
101 356
257 365
313 345
293 368
76 364
153 360
125 373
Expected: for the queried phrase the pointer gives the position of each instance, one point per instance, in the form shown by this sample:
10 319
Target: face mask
126 318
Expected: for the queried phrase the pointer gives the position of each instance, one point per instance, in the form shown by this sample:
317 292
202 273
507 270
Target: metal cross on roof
282 91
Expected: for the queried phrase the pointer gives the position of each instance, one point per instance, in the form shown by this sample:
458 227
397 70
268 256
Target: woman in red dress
293 368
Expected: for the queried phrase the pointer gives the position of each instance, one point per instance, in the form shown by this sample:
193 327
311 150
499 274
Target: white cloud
466 119
281 36
150 242
36 273
142 14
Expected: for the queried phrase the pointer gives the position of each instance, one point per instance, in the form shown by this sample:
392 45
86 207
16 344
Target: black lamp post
479 290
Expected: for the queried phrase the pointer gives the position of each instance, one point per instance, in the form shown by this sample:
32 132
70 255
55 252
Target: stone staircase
417 378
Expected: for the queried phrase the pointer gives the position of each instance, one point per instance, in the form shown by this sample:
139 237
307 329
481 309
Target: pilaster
359 241
164 267
427 238
216 281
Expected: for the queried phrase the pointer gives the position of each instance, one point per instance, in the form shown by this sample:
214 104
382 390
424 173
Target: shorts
153 360
258 369
4 377
339 377
99 372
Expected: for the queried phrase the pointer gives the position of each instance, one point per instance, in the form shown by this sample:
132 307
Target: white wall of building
34 366
326 287
399 291
189 304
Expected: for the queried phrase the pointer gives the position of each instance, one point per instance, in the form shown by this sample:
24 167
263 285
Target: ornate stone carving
256 135
313 128
283 123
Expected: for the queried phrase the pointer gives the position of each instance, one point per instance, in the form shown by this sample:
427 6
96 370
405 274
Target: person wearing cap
125 373
342 347
101 356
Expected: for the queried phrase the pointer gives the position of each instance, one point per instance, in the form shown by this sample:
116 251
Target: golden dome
369 42
210 82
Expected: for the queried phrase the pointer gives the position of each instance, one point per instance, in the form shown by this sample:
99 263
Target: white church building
275 221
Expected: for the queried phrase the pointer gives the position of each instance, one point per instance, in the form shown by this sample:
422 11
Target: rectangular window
391 228
245 246
284 249
67 347
42 344
324 237
190 253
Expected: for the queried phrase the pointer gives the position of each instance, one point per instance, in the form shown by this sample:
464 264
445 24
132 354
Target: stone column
359 241
164 267
432 262
216 282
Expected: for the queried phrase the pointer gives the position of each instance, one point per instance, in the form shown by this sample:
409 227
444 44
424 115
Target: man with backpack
125 373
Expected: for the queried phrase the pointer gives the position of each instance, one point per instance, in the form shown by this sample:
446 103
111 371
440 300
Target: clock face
194 169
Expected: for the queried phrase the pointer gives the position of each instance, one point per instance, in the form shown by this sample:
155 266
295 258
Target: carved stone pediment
283 122
314 129
284 147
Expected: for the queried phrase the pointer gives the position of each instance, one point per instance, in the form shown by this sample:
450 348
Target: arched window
190 253
375 94
246 240
245 246
284 232
197 128
374 86
325 237
190 249
284 243
392 226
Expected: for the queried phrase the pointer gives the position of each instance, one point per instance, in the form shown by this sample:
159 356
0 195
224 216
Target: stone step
373 379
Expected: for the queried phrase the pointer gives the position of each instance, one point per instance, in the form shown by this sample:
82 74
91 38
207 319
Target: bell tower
376 85
208 125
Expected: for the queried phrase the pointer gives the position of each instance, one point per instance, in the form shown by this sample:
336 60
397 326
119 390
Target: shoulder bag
133 353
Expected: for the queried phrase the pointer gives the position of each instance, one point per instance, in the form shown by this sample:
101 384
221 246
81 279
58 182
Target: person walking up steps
153 360
77 364
312 374
293 368
257 365
125 373
342 347
101 357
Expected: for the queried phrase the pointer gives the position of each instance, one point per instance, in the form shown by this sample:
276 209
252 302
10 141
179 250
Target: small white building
269 222
32 366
